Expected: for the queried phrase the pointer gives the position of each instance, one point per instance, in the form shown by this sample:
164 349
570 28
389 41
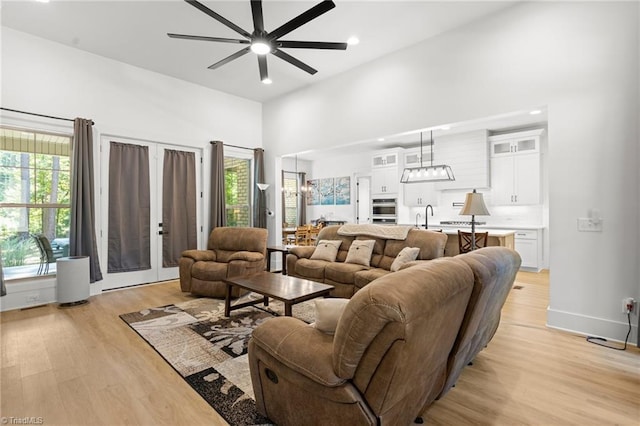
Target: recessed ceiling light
353 40
535 112
267 81
42 1
380 139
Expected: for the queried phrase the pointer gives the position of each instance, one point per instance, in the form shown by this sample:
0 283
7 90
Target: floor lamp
263 188
474 205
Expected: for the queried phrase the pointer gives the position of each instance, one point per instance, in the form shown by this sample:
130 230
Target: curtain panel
179 227
82 233
259 197
302 198
129 239
217 207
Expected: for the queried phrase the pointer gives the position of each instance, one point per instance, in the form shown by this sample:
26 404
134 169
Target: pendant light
437 173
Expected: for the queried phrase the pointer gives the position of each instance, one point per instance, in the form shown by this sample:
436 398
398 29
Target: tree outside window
237 181
34 196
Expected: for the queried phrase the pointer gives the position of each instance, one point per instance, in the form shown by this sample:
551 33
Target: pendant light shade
431 173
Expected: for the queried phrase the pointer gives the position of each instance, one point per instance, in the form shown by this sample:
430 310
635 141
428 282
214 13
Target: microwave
384 210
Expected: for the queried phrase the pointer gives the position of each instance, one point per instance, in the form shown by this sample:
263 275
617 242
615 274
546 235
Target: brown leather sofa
348 278
401 342
387 359
231 252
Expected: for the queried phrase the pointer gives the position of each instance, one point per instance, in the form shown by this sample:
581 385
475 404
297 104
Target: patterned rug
209 350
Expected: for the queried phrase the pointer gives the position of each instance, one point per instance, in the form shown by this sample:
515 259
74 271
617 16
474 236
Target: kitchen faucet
426 215
418 216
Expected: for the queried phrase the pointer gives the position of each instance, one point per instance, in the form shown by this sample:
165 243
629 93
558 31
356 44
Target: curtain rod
40 115
234 146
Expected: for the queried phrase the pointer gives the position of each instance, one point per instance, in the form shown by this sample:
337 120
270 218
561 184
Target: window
34 200
290 198
237 181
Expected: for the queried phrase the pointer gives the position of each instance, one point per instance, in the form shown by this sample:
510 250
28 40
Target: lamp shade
474 205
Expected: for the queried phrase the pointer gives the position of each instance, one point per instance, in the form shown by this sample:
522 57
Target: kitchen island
497 237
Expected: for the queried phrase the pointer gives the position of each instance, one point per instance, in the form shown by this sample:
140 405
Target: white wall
48 78
581 60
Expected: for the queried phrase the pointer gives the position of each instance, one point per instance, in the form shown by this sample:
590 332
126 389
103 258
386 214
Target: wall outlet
626 302
586 224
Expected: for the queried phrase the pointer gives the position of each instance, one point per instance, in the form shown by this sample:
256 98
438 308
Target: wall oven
384 211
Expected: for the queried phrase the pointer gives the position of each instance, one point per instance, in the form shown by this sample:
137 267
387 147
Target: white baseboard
592 326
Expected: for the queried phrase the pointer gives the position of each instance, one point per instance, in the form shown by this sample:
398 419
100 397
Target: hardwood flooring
83 365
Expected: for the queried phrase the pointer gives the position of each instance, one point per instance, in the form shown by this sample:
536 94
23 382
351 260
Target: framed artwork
343 190
313 192
327 191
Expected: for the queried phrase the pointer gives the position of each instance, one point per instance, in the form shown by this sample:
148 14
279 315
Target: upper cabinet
515 168
468 156
385 179
418 193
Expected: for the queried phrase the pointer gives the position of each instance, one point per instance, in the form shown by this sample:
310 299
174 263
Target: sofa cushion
342 272
362 278
406 255
360 252
311 269
326 250
209 271
328 313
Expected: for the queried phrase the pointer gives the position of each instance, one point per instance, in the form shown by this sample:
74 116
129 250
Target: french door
131 248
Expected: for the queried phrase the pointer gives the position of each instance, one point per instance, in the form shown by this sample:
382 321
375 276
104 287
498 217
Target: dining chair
465 241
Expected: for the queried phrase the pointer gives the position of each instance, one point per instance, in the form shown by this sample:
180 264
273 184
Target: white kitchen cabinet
515 168
529 247
385 178
419 193
388 159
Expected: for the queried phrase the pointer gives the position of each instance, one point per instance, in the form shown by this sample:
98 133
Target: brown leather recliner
494 270
231 252
387 359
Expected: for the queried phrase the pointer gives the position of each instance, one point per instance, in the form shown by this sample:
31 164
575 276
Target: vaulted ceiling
135 32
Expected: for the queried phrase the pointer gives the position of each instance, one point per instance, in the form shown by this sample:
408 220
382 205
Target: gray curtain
302 198
129 241
179 228
82 238
3 289
217 207
259 197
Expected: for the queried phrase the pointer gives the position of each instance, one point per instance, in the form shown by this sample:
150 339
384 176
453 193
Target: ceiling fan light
260 47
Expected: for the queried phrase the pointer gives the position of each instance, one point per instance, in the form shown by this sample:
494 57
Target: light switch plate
589 225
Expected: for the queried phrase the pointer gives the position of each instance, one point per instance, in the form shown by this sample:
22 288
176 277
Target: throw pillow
326 250
328 313
407 254
360 252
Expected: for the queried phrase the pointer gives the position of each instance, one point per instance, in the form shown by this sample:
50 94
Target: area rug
209 350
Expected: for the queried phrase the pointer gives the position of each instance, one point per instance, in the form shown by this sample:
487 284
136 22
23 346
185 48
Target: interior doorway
151 204
363 199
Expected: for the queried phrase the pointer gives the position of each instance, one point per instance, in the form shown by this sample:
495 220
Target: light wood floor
83 365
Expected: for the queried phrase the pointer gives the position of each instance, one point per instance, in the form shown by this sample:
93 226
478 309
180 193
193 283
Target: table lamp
474 205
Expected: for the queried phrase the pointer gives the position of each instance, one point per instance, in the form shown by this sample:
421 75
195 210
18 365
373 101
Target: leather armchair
231 252
387 359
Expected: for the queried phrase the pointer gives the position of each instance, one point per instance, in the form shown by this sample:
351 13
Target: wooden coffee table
290 290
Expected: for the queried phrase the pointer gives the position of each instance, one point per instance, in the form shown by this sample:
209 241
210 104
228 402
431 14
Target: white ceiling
134 32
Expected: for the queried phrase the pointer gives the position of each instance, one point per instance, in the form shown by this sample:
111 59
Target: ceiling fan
262 42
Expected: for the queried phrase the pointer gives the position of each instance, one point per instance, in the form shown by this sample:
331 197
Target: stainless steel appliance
384 211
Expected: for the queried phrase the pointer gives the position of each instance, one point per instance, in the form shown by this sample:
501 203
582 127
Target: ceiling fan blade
302 19
311 45
218 18
230 58
205 38
256 12
293 61
262 65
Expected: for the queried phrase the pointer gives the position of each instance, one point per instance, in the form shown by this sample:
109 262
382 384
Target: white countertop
492 232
